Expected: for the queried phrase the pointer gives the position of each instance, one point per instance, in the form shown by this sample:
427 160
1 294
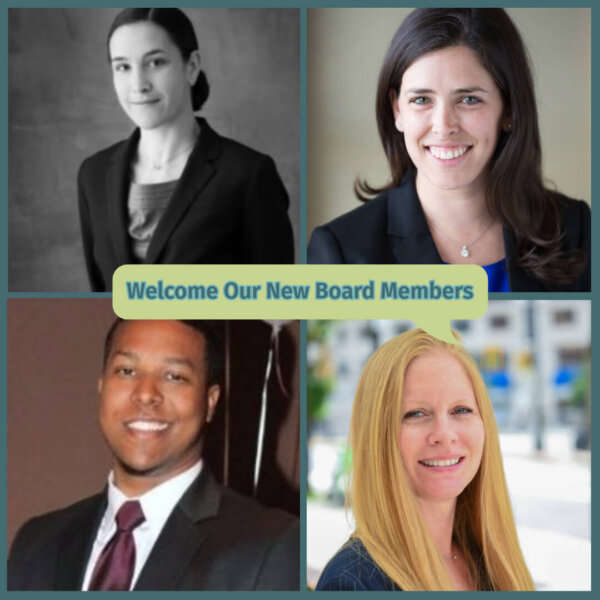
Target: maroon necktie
114 569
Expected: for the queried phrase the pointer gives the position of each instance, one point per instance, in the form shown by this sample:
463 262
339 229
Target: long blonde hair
388 521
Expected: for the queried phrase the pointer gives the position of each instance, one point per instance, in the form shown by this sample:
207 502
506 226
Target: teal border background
302 5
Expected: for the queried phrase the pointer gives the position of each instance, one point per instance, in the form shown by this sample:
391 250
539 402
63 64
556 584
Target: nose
442 432
147 392
140 80
444 120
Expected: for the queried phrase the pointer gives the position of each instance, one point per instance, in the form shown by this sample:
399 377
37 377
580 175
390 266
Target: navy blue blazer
214 539
392 229
352 569
229 207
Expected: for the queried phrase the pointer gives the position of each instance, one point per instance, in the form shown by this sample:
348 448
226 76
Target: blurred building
532 355
535 359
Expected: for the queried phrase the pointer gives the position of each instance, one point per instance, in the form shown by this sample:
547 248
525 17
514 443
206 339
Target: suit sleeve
25 570
324 248
281 567
87 234
267 232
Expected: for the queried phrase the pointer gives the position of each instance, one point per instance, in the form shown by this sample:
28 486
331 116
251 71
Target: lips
447 462
448 152
144 102
143 425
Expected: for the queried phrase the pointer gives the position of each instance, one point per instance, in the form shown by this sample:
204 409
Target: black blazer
391 229
229 206
353 570
214 539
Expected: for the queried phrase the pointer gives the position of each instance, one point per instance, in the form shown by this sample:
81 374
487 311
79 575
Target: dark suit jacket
214 539
391 229
353 570
229 207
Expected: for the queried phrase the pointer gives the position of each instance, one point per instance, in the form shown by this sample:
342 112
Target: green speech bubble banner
429 295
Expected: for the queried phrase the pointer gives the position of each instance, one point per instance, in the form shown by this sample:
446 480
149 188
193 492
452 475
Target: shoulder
359 236
255 547
40 540
242 164
373 212
353 569
248 519
236 150
98 161
575 215
53 523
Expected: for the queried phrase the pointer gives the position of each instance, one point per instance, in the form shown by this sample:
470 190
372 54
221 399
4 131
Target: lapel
407 230
117 190
77 545
196 174
182 536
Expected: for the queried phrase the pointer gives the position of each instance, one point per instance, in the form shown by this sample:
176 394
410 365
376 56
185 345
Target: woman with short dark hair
175 191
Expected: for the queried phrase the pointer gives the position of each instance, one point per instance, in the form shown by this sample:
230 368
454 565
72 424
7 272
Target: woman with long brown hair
457 118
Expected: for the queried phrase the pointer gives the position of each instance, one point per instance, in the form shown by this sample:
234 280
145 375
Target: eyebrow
146 55
169 360
469 90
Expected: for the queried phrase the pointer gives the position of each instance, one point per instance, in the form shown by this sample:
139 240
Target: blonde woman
428 490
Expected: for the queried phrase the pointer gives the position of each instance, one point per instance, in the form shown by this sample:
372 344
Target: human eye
120 67
413 414
470 100
124 370
463 410
176 377
157 62
420 100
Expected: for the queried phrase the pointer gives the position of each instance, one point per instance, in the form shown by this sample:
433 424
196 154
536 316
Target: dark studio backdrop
55 452
62 108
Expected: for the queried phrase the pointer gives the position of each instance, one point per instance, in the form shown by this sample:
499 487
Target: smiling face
154 401
451 113
151 78
441 435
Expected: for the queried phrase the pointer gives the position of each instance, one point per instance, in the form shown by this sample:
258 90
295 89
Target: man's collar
158 502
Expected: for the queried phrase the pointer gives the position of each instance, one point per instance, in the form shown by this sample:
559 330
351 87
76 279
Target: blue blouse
497 276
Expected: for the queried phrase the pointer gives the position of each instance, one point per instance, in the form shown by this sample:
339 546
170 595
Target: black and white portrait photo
150 136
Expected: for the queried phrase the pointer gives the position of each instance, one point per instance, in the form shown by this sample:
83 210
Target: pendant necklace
464 248
158 166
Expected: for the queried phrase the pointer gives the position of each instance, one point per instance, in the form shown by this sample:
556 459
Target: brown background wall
56 454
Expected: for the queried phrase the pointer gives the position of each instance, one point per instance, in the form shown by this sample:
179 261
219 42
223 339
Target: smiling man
162 523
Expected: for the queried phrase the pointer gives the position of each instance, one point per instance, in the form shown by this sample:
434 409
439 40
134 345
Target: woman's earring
508 127
399 125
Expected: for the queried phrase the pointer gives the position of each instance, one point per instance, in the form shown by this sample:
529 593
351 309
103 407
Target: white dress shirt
157 504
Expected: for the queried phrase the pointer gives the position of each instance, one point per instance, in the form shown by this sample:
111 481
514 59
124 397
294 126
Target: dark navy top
353 569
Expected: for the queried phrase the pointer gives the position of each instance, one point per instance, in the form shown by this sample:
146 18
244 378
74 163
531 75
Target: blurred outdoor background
535 359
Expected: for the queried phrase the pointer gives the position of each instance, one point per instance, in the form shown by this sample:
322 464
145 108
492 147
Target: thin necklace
464 248
159 165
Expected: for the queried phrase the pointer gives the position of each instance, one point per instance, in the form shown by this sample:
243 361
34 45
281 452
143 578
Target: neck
136 483
439 520
162 143
453 209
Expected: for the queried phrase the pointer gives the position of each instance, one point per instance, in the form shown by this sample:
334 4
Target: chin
141 468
